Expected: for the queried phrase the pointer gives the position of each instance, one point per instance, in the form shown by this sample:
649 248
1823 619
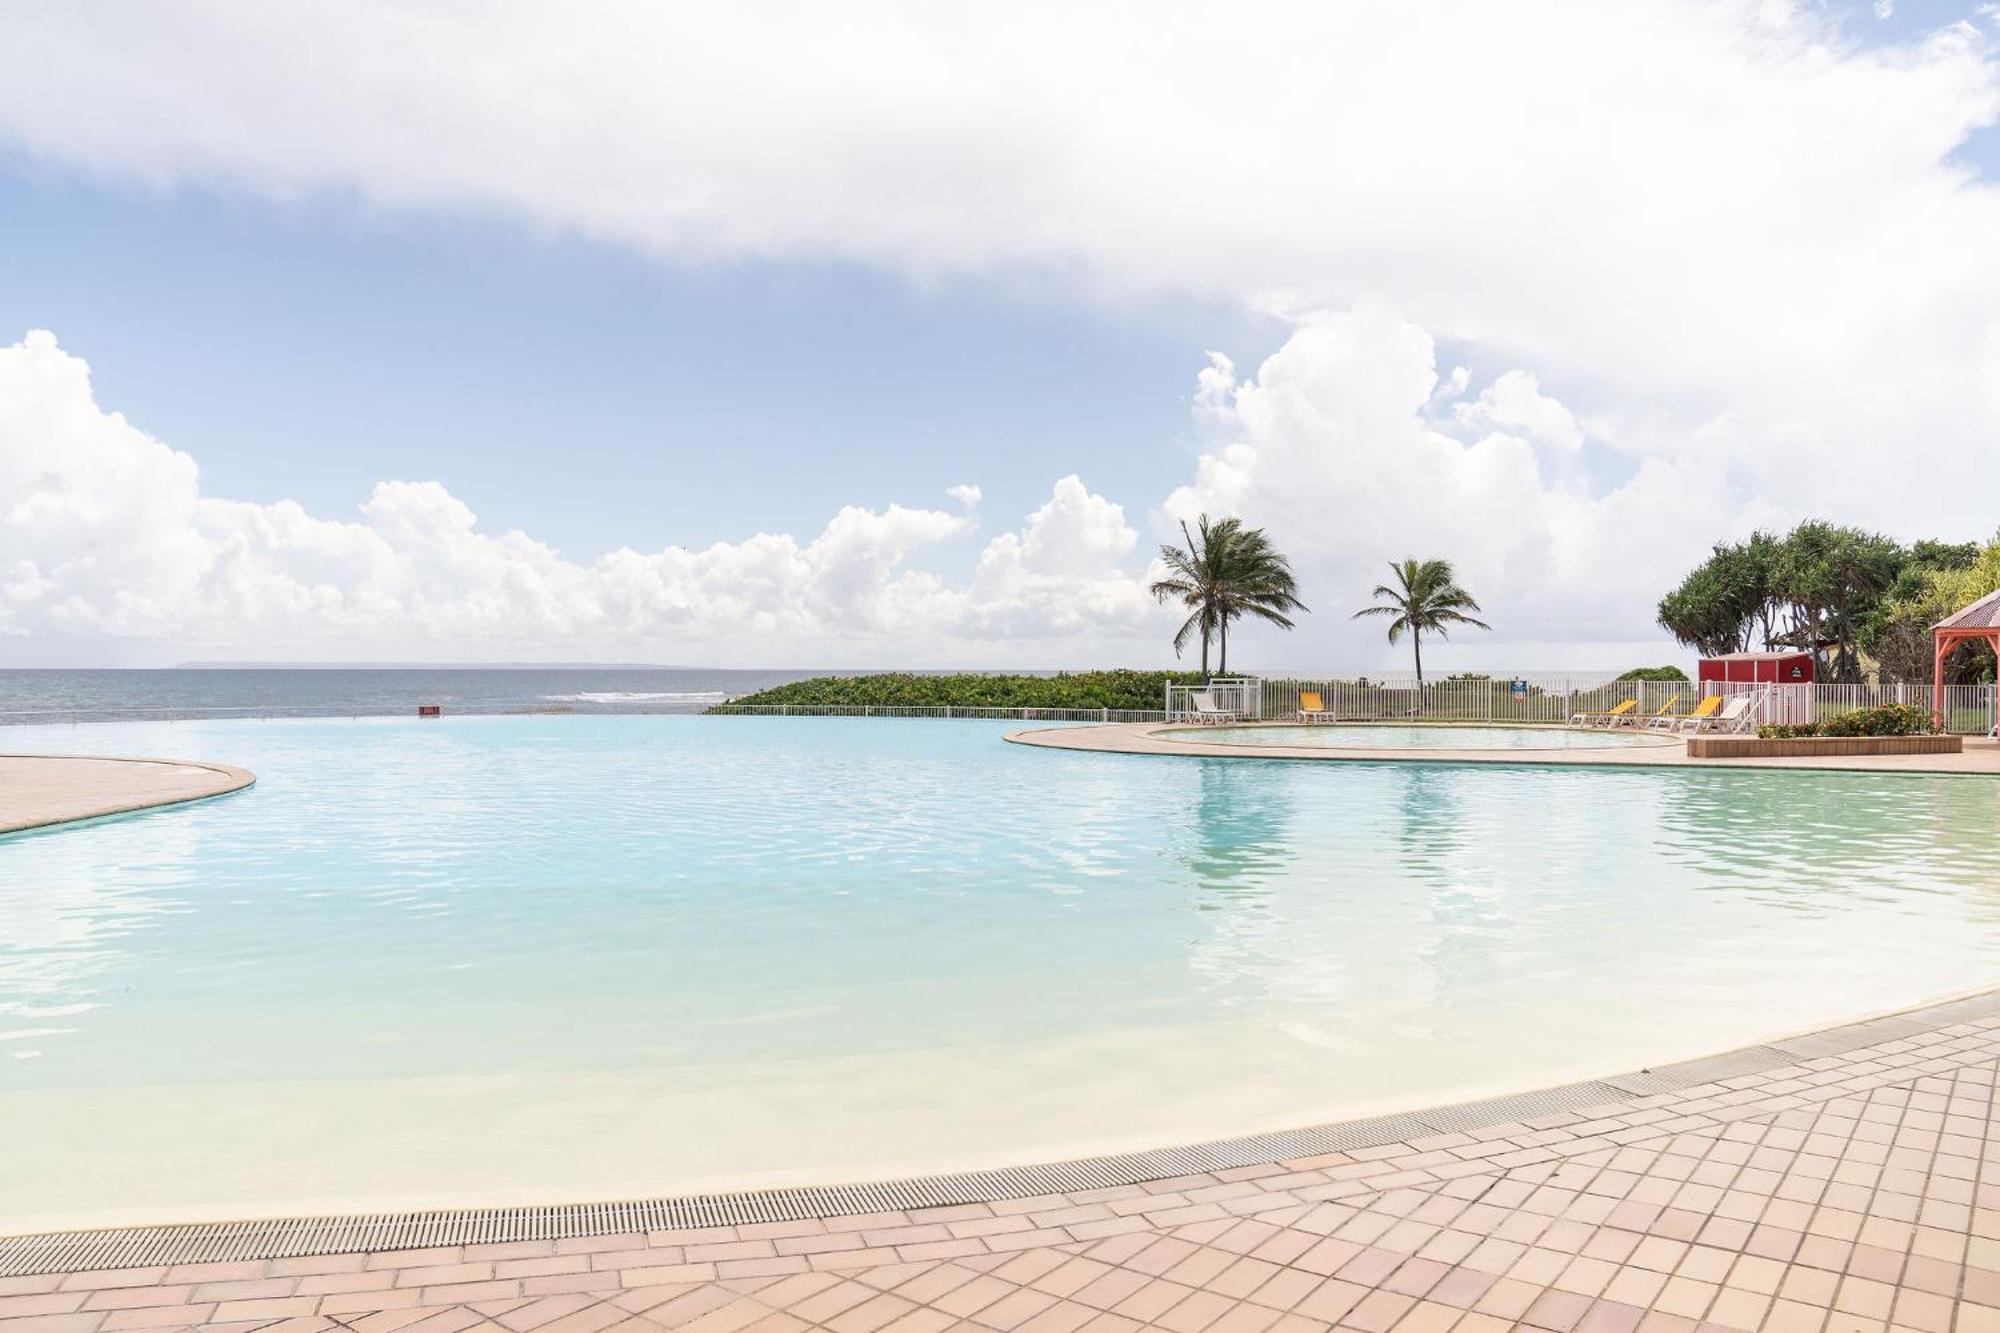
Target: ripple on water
578 956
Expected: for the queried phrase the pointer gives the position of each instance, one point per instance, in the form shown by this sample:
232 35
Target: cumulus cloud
106 533
1515 402
1333 447
1689 312
965 493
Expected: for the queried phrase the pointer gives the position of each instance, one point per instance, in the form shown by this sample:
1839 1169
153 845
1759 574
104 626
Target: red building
1757 669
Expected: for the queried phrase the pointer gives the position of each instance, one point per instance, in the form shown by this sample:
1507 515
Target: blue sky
1564 294
590 395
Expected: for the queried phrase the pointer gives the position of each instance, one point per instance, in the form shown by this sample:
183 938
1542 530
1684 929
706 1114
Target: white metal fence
944 710
1239 696
1969 709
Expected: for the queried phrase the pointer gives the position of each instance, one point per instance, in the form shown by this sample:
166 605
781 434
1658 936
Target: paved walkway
1980 756
36 790
1854 1191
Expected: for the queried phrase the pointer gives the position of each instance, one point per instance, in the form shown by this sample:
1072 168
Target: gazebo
1981 620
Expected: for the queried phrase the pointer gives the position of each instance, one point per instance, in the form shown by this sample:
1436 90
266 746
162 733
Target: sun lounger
1608 718
1703 711
1205 709
1732 716
1666 717
1313 709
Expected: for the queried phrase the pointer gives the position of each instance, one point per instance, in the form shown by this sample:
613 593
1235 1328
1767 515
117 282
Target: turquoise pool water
518 959
1394 736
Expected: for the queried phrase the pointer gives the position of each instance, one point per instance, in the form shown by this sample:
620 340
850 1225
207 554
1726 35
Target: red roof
1982 614
1758 657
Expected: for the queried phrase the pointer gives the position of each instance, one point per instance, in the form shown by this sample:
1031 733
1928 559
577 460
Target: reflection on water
1240 831
941 943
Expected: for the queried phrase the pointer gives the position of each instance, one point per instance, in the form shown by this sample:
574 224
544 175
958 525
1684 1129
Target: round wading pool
1421 736
537 959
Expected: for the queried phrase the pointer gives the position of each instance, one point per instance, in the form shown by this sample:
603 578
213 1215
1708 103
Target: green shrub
1654 673
1883 720
1082 689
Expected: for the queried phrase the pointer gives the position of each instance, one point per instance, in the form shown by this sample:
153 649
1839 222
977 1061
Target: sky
901 335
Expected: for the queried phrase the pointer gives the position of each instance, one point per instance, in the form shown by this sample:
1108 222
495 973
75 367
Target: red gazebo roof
1982 614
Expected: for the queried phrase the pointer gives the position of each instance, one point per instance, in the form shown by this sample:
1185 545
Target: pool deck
1834 1182
40 790
1659 749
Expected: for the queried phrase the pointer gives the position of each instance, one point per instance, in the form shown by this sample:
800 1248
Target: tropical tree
1225 572
1819 588
1425 599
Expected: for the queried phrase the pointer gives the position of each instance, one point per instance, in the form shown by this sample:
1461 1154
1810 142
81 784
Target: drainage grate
79 1251
139 1247
1527 1106
1708 1069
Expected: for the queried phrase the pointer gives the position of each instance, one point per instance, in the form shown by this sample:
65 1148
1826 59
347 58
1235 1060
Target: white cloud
1726 242
965 493
1515 402
1330 447
106 534
1537 181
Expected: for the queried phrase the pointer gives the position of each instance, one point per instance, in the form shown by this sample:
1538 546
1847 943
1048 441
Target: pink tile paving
1849 1193
39 790
1980 755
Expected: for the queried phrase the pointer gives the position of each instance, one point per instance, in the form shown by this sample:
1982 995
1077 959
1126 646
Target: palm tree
1428 601
1228 573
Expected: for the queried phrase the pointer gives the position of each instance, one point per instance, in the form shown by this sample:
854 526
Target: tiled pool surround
1980 757
38 790
1844 1179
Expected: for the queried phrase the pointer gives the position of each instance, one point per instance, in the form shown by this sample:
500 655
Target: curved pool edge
1980 757
1626 740
71 789
1718 1086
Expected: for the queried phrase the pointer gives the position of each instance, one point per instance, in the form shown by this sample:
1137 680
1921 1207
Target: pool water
1434 736
510 960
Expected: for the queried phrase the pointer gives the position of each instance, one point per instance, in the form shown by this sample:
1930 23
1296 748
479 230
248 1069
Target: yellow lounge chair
1666 717
1609 718
1703 711
1312 708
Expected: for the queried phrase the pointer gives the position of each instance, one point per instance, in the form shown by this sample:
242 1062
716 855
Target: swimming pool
506 960
1429 736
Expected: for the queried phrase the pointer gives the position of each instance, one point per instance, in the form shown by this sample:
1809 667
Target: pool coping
1979 758
228 779
129 1248
1631 739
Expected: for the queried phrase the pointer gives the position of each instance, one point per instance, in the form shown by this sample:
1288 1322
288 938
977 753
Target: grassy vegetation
1083 689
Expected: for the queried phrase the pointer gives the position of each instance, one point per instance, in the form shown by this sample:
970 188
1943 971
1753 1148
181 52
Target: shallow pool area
1421 736
507 960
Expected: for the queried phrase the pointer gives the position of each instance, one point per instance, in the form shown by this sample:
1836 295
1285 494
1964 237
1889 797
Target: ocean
50 695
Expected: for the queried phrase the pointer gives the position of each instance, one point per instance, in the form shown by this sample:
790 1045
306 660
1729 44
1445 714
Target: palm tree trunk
1417 643
1222 668
1204 653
